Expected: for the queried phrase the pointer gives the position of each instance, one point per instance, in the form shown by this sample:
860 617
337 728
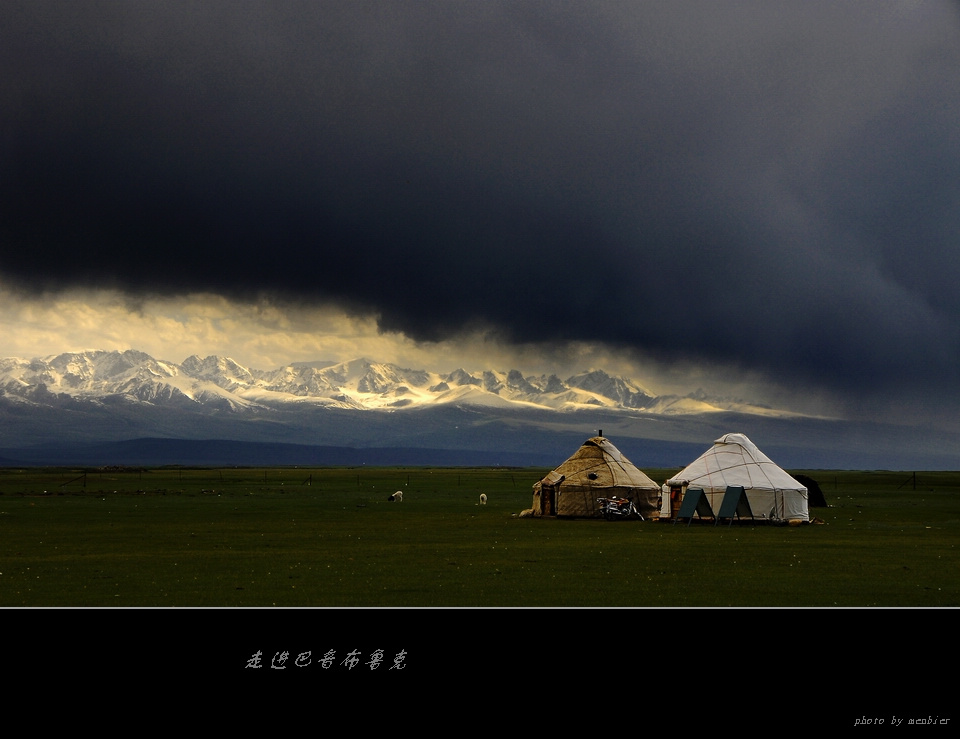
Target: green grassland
296 537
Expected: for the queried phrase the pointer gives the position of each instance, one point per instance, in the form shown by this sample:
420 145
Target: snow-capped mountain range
126 407
361 384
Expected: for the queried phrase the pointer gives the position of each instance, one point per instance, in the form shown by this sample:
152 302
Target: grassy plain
297 537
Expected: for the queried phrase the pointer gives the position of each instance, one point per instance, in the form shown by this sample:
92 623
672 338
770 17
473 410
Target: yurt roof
735 460
599 463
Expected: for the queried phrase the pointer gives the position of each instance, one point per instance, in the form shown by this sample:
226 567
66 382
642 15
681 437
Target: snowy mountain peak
216 382
625 392
462 377
221 371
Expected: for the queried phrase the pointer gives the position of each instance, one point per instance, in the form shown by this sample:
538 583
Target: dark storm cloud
775 185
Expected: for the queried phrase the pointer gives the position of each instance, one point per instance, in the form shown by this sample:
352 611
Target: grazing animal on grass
483 498
397 497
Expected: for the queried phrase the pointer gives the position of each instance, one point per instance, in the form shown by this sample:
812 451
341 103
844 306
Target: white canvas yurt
734 460
596 470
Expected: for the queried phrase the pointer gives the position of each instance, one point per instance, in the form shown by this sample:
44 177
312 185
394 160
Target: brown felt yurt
596 470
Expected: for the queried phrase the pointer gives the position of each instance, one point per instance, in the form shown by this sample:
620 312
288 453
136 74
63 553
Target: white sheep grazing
397 497
483 498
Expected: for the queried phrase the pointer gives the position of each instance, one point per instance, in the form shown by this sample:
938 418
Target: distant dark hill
152 452
225 453
94 433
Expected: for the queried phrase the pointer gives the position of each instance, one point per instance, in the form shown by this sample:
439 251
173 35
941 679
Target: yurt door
546 500
676 498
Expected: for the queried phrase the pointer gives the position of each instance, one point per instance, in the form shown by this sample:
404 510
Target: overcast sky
760 196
